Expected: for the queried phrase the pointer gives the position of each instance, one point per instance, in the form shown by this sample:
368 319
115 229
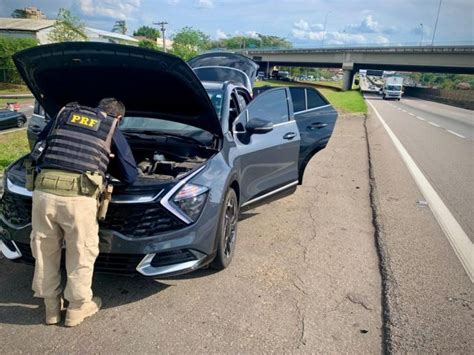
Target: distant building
26 28
39 30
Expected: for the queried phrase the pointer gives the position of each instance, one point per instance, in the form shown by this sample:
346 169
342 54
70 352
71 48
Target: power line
163 31
436 23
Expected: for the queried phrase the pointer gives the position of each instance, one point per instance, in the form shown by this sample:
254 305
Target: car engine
164 167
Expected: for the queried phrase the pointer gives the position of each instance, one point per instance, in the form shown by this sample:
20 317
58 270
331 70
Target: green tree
148 32
120 27
68 28
8 47
258 41
149 44
188 42
19 13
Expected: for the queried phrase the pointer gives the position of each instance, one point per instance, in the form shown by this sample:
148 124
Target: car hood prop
150 83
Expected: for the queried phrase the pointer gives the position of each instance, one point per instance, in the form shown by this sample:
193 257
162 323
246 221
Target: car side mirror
258 126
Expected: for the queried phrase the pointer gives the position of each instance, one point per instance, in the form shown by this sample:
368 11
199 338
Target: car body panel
150 83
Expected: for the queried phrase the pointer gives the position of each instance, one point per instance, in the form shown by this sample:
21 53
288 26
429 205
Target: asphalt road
305 279
440 138
427 295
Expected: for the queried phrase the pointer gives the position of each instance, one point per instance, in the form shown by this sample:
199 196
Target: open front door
268 141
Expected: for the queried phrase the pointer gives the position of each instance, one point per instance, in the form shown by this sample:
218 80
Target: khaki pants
73 220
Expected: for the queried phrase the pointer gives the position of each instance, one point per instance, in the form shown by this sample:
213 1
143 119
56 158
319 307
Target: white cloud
220 34
345 38
381 40
173 2
205 4
117 9
301 25
368 25
305 26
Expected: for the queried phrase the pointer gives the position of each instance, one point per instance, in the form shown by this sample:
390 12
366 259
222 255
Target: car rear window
298 97
314 99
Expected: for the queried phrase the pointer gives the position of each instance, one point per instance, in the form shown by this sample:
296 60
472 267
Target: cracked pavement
305 278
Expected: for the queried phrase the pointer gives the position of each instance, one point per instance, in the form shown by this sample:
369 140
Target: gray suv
205 146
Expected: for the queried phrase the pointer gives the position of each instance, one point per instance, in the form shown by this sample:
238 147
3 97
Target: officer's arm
123 165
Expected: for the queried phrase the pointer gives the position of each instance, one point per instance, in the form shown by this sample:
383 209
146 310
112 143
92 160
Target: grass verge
7 88
344 101
12 146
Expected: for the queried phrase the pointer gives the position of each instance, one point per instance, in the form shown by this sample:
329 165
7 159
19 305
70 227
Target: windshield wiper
171 135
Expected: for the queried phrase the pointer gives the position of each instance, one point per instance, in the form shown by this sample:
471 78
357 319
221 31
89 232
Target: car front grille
138 221
105 263
131 220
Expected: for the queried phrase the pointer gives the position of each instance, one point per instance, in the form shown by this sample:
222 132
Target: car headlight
190 200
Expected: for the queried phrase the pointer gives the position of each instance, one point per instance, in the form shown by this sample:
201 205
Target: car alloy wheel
20 123
227 231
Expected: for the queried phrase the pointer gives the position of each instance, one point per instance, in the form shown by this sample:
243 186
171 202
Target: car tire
21 122
227 231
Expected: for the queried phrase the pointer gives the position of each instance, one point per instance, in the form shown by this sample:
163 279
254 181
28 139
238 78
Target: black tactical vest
80 140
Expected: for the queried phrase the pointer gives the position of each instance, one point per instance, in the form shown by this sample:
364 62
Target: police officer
82 145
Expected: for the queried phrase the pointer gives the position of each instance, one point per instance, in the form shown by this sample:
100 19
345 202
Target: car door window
298 97
270 106
314 99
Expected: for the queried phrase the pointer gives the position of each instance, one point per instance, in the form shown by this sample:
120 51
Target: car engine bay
155 164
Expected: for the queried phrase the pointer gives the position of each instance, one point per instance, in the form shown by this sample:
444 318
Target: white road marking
460 242
420 118
411 114
456 134
434 124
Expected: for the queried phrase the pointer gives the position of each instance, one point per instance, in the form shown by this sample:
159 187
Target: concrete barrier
458 98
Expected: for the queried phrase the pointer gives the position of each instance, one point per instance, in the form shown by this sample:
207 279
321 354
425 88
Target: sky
305 23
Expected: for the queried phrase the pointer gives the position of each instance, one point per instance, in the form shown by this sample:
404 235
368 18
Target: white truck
392 87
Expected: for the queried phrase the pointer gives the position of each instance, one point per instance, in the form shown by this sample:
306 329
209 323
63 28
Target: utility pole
163 31
436 23
421 36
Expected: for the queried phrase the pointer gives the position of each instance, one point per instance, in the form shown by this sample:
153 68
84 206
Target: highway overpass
439 59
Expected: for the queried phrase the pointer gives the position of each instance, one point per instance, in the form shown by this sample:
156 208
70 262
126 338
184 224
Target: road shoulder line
458 239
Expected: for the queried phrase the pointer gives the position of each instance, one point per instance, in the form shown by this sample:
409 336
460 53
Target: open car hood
213 65
149 83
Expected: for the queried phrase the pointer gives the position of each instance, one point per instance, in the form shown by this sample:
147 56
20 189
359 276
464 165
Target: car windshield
216 97
394 87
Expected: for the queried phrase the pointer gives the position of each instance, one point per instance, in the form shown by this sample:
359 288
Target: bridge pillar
348 78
